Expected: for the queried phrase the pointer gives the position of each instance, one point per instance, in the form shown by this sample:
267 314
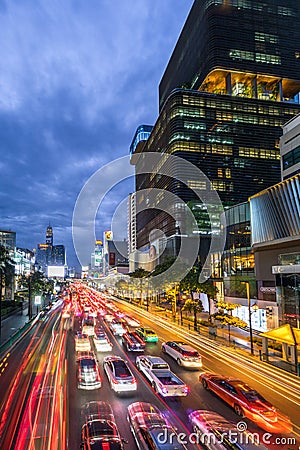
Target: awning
285 334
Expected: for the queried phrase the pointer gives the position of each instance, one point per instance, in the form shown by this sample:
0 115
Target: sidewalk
11 324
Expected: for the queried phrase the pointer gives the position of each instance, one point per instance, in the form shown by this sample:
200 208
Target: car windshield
149 332
98 428
101 336
87 364
160 366
121 369
253 396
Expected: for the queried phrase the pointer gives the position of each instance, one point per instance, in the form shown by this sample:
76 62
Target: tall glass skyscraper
232 81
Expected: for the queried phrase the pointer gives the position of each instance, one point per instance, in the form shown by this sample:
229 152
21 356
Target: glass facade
288 298
8 239
232 140
256 41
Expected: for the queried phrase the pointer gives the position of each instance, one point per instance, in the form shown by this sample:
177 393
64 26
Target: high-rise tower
232 81
49 235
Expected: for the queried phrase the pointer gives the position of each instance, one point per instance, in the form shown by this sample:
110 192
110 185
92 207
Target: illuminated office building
48 254
231 83
290 148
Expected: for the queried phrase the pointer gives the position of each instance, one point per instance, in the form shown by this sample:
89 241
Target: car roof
154 359
81 335
184 345
99 409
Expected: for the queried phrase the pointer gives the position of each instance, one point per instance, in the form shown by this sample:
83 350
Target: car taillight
114 381
186 389
165 390
133 380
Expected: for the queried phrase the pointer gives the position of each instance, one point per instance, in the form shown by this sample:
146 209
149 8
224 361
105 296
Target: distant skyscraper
49 235
8 239
232 81
48 254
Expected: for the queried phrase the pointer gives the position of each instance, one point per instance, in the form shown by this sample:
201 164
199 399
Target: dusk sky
76 77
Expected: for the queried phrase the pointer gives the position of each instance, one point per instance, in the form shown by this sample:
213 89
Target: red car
246 401
133 342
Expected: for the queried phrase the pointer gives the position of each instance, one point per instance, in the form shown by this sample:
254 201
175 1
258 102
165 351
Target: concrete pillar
294 355
280 90
228 84
285 351
254 87
265 350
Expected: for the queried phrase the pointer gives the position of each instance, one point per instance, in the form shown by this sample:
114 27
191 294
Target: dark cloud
76 79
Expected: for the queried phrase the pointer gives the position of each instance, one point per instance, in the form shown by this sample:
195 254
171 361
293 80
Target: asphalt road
179 409
20 369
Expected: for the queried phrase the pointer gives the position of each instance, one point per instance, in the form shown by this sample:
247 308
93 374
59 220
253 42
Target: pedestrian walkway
11 324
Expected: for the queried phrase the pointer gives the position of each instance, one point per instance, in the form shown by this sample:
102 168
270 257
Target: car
88 375
108 318
119 375
183 353
245 401
221 434
150 428
147 334
133 342
82 342
99 431
117 327
102 342
158 373
88 325
132 322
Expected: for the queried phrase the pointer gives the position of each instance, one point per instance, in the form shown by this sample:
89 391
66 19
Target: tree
140 274
225 317
36 283
194 306
7 268
190 284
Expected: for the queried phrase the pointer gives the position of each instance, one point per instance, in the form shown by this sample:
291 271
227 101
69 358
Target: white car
82 342
132 322
183 353
211 426
117 328
108 318
88 375
102 342
119 375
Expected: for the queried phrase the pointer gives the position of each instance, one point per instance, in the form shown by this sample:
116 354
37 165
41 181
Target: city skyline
72 97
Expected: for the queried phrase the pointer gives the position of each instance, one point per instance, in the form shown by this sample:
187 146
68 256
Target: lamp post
254 308
183 298
29 296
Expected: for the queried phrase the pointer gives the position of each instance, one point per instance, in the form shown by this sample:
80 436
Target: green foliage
227 306
139 273
7 268
37 283
194 306
228 319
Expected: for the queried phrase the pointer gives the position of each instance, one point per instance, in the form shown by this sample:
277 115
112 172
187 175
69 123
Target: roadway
45 361
285 396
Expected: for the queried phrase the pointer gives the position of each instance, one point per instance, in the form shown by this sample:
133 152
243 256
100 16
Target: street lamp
183 298
254 308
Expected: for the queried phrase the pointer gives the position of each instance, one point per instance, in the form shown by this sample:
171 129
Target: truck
162 380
